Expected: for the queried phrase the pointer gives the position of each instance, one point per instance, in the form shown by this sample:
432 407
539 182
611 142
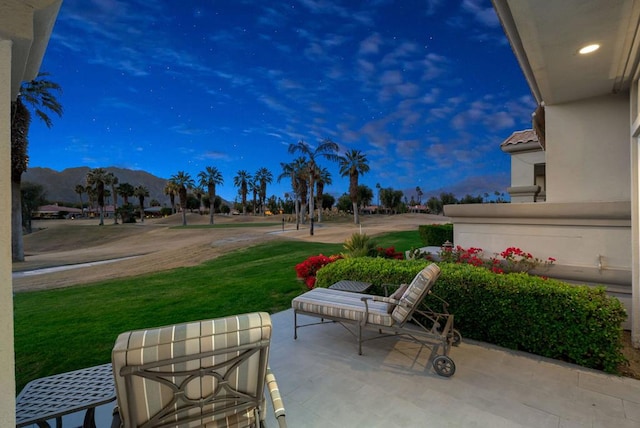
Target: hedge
574 323
436 234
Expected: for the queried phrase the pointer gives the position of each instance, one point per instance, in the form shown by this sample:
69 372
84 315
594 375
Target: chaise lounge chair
198 374
389 316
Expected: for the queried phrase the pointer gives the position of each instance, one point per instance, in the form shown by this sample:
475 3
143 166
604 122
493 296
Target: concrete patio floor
325 383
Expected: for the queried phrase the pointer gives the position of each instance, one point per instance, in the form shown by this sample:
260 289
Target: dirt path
156 246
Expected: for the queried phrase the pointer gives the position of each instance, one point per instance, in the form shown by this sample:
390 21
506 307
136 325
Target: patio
326 384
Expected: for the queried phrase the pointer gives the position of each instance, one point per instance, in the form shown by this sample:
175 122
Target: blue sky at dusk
426 89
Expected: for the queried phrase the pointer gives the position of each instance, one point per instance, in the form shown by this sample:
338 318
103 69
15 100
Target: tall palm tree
183 181
241 181
141 192
126 191
98 177
210 178
323 178
35 97
327 149
113 181
79 189
263 177
254 188
352 164
171 189
295 172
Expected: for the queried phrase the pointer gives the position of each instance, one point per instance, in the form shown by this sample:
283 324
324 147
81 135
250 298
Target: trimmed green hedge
436 234
577 324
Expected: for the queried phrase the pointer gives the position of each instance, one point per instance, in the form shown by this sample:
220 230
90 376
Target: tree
352 164
328 201
254 188
126 190
435 205
171 189
241 181
391 199
33 196
344 203
324 178
182 181
295 171
419 194
365 195
263 176
327 149
210 178
79 189
98 177
37 96
113 181
141 192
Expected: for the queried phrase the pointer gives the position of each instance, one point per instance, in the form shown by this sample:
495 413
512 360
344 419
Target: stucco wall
7 373
522 167
588 150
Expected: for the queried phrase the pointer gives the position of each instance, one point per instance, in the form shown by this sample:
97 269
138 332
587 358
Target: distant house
55 212
587 155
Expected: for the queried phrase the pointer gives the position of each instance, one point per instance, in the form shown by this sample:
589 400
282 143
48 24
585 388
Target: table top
57 395
353 286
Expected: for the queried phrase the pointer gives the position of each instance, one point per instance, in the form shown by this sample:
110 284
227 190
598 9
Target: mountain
60 185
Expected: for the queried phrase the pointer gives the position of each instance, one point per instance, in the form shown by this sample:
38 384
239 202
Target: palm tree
353 164
171 189
419 194
125 190
141 191
327 149
113 181
263 177
241 181
98 177
254 188
79 189
295 171
183 181
210 178
37 96
323 178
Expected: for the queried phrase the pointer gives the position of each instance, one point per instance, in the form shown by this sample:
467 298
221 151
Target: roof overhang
546 37
28 24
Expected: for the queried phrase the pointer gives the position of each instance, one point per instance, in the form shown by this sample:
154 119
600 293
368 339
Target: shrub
359 245
307 269
436 234
578 324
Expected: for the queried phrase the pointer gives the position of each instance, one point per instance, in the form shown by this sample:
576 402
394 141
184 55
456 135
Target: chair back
415 293
194 374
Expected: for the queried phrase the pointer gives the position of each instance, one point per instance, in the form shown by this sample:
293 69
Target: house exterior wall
522 167
588 150
7 372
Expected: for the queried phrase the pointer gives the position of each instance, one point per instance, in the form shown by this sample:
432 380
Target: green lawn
66 329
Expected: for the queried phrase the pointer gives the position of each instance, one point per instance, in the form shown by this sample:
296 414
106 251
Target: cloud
370 45
484 15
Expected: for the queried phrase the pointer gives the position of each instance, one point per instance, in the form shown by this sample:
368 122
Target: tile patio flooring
325 383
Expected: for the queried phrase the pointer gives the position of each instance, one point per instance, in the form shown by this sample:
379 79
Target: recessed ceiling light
589 48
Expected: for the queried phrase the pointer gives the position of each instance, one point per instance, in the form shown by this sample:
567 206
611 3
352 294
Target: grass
67 329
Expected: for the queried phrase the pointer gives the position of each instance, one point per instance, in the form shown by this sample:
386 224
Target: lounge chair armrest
276 399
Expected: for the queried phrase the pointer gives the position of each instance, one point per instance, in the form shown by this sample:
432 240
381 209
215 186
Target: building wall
522 167
588 150
7 372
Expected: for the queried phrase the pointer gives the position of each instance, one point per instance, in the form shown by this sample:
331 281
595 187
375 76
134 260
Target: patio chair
199 374
401 314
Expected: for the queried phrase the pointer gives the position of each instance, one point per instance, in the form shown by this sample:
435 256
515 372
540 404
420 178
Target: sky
426 89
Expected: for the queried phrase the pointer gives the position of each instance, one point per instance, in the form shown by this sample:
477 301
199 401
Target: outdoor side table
353 286
55 396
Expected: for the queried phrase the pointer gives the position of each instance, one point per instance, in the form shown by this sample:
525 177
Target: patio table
55 396
353 286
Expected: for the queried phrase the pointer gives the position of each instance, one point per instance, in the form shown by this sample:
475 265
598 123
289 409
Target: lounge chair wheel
444 366
457 338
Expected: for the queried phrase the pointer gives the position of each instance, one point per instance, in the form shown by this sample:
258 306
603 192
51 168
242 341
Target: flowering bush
389 253
512 259
307 269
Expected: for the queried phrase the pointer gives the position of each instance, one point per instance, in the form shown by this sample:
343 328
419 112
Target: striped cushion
140 398
415 293
341 304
